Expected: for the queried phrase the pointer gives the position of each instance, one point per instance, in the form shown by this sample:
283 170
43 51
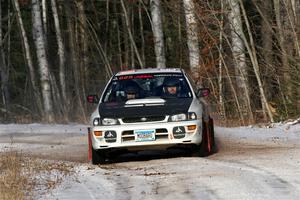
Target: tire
206 147
212 131
98 157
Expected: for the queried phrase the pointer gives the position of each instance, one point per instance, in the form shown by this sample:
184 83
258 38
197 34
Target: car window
192 82
146 86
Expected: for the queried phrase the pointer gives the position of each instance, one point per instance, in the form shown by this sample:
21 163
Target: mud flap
208 136
90 145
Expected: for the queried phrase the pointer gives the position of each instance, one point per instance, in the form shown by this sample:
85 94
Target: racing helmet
171 82
131 89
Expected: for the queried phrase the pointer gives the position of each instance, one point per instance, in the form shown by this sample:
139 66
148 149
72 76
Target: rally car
150 109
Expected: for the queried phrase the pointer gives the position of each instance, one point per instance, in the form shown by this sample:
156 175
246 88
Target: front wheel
206 147
98 157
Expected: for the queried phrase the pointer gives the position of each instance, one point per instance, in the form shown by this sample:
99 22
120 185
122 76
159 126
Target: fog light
191 127
98 133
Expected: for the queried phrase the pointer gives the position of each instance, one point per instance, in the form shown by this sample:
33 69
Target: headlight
179 117
109 121
183 117
96 121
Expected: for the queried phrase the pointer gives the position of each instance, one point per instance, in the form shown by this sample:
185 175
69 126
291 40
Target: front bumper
165 135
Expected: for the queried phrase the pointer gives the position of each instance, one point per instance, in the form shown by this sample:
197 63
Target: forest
53 53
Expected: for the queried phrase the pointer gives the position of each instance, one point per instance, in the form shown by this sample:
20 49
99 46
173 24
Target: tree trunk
60 52
142 34
118 35
130 34
131 15
220 79
297 22
125 40
291 23
39 41
157 29
75 66
192 37
9 25
3 68
28 58
4 78
252 53
238 51
267 46
281 39
84 64
44 14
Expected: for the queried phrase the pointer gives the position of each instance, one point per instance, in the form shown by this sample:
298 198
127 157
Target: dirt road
245 167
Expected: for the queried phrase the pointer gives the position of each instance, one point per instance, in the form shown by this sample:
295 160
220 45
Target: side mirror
93 98
203 92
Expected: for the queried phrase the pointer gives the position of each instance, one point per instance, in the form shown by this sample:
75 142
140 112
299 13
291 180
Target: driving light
109 121
96 121
192 116
179 117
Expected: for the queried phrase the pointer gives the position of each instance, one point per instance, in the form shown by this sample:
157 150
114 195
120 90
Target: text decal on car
144 135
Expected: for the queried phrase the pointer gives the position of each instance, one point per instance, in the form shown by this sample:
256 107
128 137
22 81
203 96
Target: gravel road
245 167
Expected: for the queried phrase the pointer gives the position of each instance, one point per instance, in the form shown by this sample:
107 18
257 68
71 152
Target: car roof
149 70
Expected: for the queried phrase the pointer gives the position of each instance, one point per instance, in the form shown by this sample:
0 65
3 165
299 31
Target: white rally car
150 108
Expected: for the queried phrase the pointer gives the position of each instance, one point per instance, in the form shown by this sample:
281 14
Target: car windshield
139 86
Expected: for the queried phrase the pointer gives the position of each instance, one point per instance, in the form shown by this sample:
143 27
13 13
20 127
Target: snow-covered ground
251 163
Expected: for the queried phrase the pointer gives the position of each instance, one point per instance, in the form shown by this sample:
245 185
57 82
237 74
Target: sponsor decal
178 132
110 136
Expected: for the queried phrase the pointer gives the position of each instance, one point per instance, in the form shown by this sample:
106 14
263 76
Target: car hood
145 107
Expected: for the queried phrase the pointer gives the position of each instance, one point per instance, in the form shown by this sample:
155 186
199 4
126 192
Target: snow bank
283 132
31 129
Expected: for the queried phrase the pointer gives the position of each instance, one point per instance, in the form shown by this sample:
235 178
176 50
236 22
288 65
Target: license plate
144 135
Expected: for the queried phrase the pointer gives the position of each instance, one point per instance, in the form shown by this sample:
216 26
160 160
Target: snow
282 131
252 163
25 129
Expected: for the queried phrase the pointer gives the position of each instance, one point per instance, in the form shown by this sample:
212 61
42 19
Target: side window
192 82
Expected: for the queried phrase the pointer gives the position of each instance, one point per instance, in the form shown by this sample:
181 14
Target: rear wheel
98 157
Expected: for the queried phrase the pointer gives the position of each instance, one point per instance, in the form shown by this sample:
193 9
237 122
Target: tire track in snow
158 182
269 184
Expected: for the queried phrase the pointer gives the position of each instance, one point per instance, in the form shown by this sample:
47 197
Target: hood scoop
145 102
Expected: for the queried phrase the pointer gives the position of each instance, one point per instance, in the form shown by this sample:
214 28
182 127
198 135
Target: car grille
143 119
160 134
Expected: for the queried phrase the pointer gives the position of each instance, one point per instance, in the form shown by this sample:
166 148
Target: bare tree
282 44
3 68
44 15
74 47
157 29
141 33
28 57
83 49
39 40
220 78
192 37
238 51
253 56
130 34
60 52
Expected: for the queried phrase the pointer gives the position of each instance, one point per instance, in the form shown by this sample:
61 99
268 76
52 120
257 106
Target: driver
131 91
171 86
